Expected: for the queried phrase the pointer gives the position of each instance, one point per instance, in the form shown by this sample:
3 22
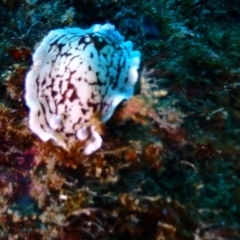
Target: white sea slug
76 74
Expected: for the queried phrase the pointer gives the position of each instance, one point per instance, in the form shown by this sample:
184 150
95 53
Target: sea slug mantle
75 75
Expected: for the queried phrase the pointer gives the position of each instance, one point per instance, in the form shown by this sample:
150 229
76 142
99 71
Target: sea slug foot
94 143
82 133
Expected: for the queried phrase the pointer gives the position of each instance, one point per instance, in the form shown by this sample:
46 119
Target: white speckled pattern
76 74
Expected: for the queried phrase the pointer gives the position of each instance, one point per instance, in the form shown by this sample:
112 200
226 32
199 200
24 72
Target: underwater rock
144 26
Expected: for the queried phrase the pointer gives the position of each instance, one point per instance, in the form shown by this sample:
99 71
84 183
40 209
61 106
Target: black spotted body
75 74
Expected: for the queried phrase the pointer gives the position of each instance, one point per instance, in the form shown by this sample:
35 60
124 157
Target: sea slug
75 75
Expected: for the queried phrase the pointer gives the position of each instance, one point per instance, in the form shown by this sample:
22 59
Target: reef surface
169 164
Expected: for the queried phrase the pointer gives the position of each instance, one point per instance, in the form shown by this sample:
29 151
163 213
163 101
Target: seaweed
169 165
